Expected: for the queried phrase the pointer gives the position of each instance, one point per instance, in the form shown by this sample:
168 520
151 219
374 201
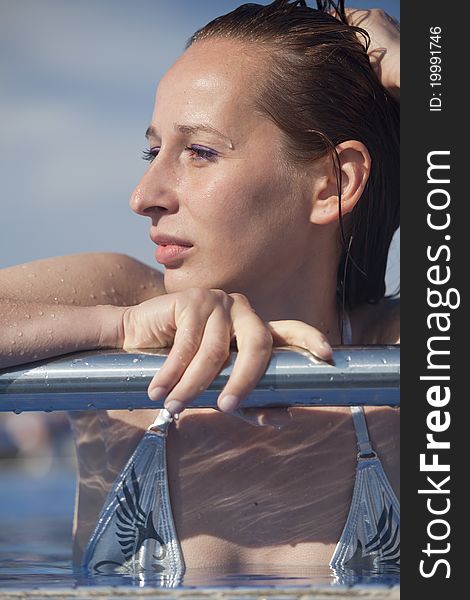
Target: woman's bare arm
82 280
65 304
68 304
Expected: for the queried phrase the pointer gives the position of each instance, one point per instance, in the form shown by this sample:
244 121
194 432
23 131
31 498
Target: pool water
36 511
35 524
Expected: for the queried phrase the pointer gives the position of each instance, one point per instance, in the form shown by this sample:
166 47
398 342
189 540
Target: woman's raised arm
384 50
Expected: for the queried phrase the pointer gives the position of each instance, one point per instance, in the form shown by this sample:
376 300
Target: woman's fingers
297 333
187 323
185 346
202 323
254 342
207 362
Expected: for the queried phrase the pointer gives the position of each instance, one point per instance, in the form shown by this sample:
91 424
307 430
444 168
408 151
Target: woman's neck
301 297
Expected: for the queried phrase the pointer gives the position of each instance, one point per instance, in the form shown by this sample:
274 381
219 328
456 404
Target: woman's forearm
34 331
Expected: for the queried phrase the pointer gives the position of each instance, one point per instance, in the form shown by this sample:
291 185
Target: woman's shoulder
377 323
82 279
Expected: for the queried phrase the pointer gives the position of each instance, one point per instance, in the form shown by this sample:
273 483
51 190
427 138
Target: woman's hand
199 325
384 50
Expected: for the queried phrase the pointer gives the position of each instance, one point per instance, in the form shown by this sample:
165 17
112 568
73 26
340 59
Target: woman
273 195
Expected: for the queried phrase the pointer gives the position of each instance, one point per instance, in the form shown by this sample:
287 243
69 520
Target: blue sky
78 81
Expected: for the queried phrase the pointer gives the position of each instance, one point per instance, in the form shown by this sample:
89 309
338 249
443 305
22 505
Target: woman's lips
170 254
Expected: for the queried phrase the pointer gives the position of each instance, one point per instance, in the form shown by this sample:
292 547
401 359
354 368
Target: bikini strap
364 446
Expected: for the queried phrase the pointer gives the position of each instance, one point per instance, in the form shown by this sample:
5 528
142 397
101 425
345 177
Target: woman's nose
153 194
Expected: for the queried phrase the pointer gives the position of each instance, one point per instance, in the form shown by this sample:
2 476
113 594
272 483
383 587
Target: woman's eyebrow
191 129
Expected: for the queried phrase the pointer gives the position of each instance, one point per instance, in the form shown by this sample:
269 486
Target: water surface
36 512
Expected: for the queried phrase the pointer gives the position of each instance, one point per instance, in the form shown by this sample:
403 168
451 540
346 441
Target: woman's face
225 211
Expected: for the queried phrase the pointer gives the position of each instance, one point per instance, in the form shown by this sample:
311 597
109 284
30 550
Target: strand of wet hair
334 8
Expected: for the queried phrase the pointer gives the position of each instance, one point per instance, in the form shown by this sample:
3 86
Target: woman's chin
178 280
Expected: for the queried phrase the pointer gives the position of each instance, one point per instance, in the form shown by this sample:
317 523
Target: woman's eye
196 153
201 153
149 155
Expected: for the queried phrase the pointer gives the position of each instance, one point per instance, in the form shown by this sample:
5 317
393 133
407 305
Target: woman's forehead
211 79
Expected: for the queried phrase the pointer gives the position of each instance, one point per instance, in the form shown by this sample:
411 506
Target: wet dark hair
319 88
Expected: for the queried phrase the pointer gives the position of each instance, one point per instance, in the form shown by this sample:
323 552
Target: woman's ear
355 162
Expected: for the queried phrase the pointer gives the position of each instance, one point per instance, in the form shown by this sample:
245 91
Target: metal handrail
119 379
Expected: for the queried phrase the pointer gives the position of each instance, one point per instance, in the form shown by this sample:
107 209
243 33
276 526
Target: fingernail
228 403
157 393
175 407
328 350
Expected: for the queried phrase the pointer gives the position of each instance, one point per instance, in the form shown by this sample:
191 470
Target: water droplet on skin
40 313
111 274
53 315
56 300
74 291
61 280
119 266
15 324
20 334
28 316
92 296
21 352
